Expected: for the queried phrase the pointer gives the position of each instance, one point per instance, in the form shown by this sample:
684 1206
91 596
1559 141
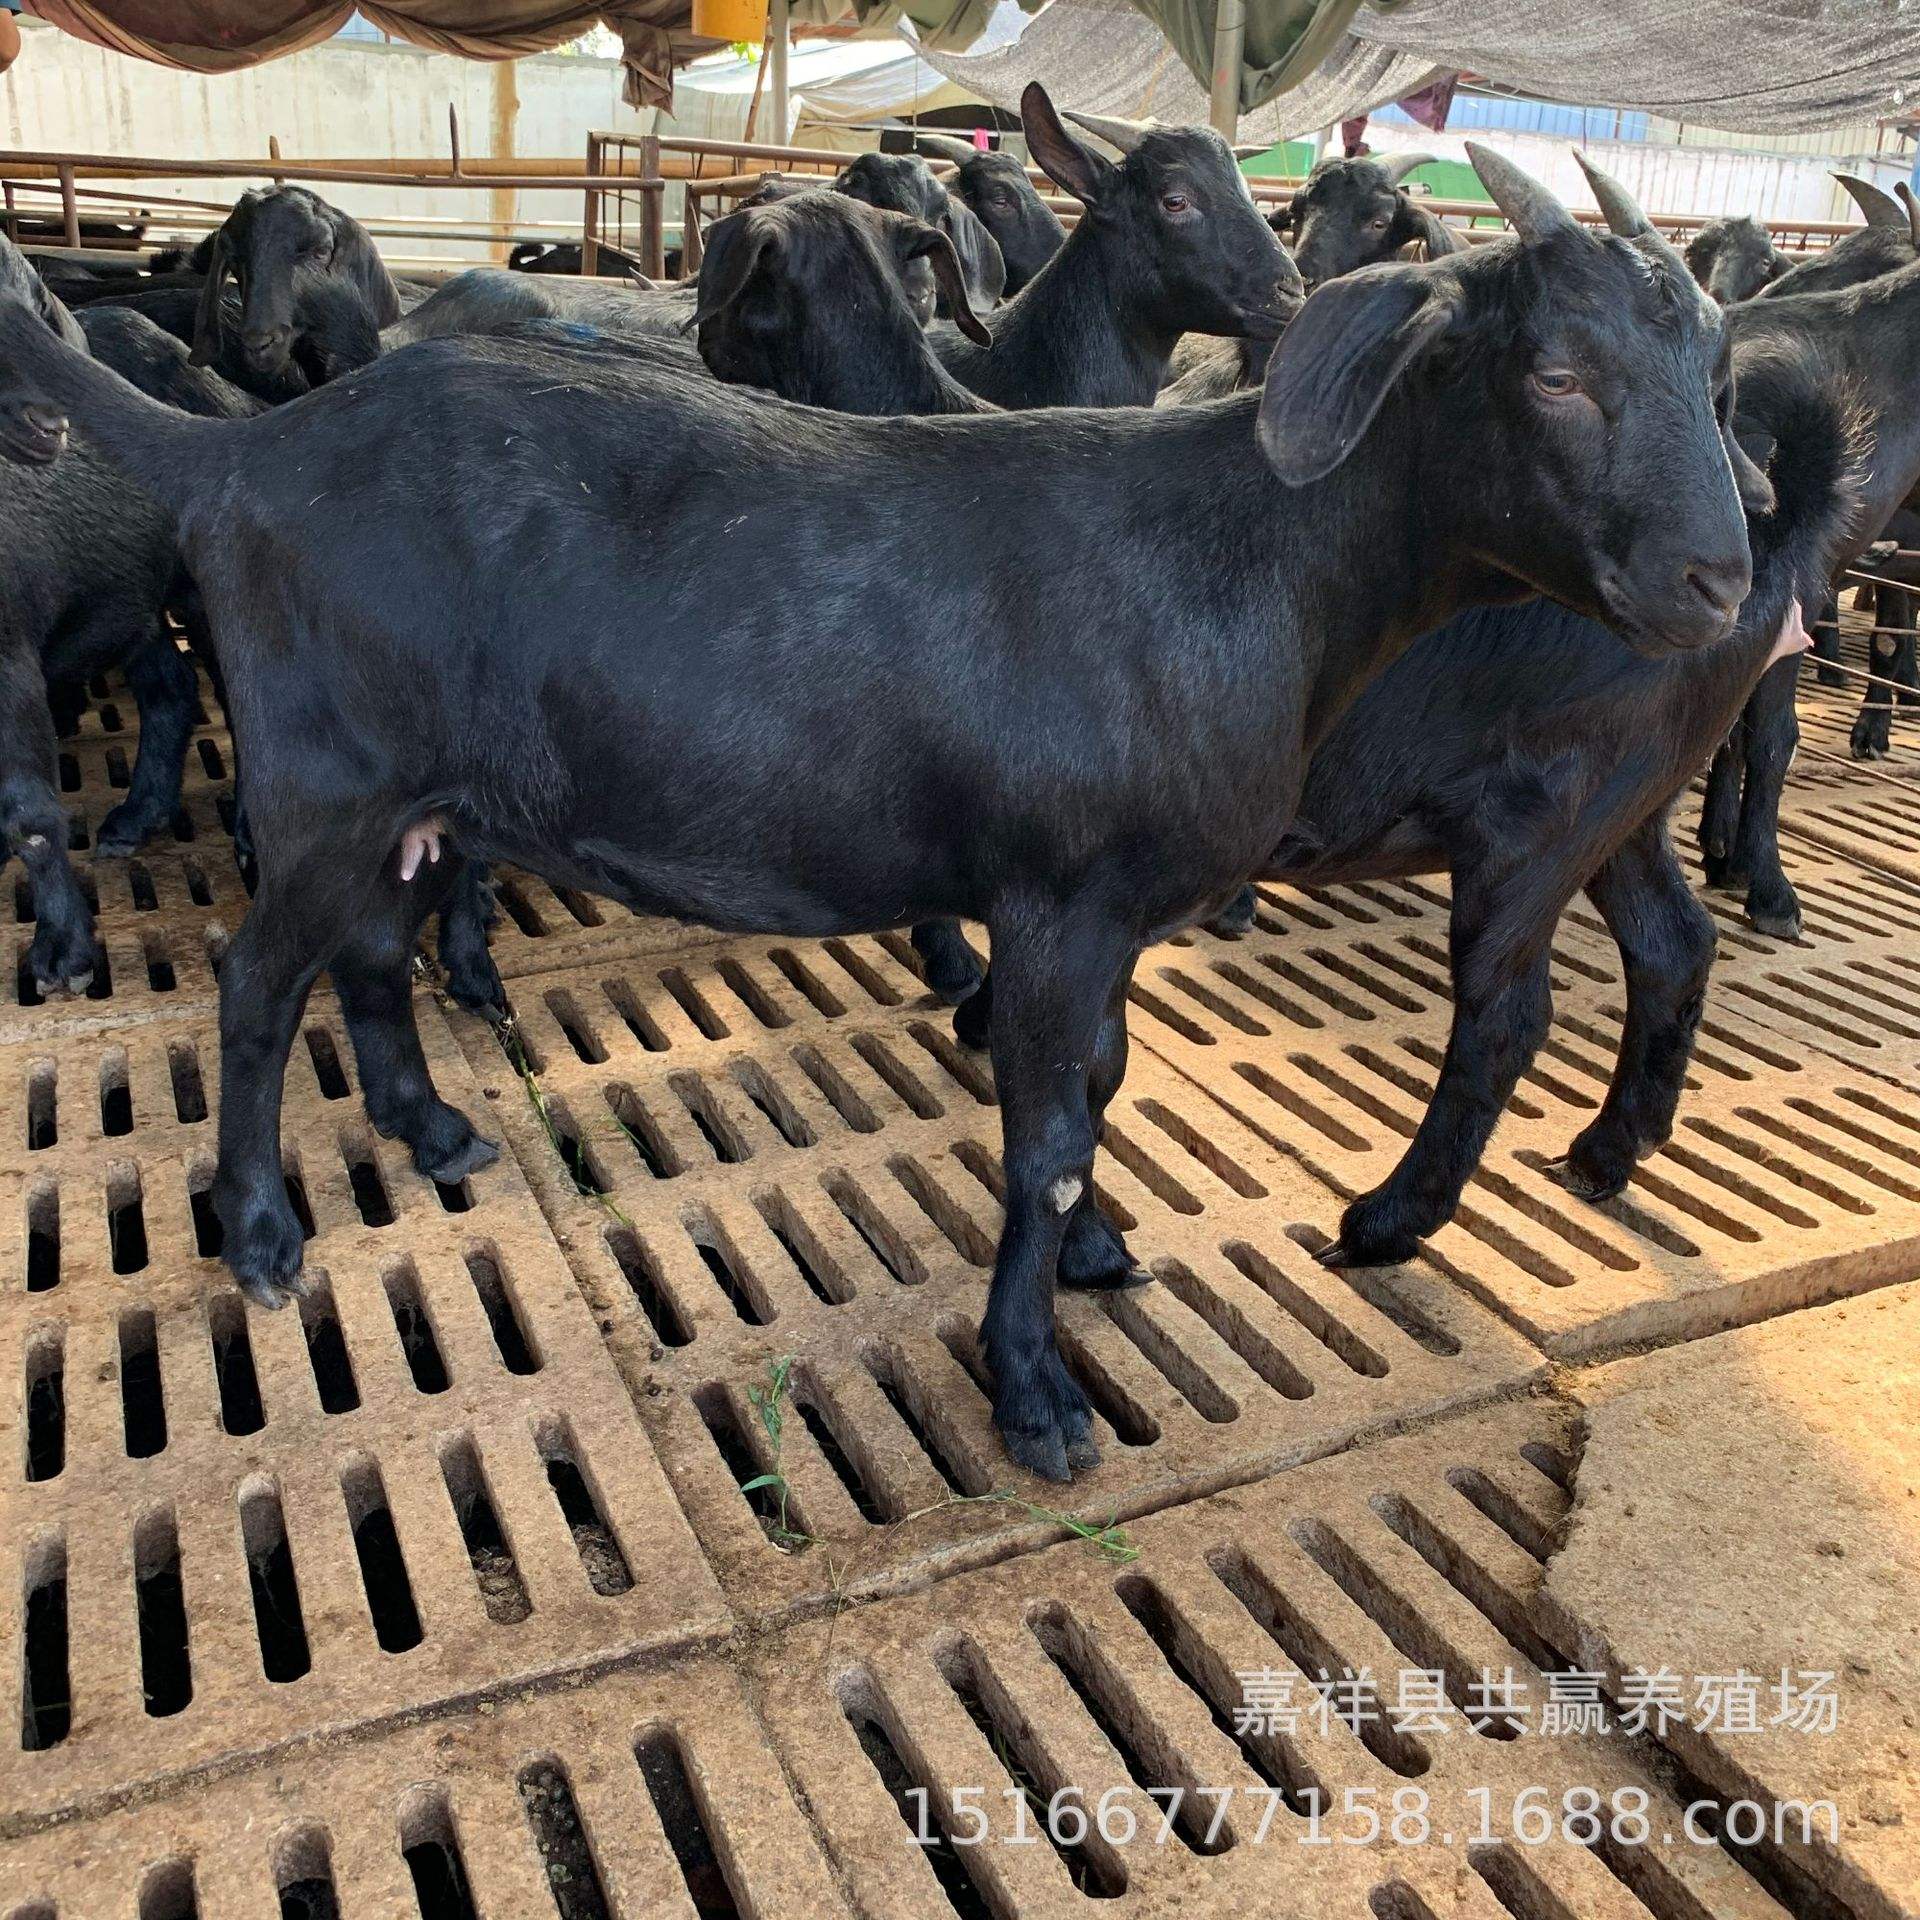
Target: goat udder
420 839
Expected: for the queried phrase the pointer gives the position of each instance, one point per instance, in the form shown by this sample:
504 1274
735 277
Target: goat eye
1174 202
1556 383
1381 223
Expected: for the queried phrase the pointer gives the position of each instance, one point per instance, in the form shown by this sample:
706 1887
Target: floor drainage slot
1397 1901
383 1571
166 1665
1204 1674
189 1088
1110 1704
303 1876
903 1393
663 1767
276 1593
1516 1886
638 1129
126 1221
363 1175
810 1260
565 1852
401 1283
600 1554
43 1239
1316 1658
327 1070
46 1403
167 1892
773 1504
649 1291
921 1805
1411 1635
1091 1861
495 1572
46 1693
233 1370
510 1337
43 1107
580 1036
868 1498
143 1407
722 1259
327 1349
432 1854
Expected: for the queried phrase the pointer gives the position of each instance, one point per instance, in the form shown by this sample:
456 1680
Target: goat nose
44 419
1721 583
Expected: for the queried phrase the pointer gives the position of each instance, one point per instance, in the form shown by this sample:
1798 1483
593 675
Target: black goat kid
1350 213
995 185
904 183
1170 243
1109 735
1734 258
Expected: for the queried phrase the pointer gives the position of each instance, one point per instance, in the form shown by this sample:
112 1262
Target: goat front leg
167 695
1502 930
373 975
1773 736
1056 981
1666 940
1720 810
33 825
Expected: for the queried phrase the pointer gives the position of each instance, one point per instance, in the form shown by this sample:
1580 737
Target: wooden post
1229 49
653 212
506 113
69 203
693 245
779 37
590 211
273 150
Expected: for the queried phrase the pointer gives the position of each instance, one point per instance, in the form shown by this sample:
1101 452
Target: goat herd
971 569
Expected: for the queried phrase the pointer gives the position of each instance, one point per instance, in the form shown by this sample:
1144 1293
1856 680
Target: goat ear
206 316
1755 489
1070 164
1338 360
735 247
916 241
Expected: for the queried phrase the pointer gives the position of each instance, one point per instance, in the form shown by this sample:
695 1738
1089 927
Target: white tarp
1743 65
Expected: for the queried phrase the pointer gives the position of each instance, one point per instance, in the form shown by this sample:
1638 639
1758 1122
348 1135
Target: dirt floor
623 1532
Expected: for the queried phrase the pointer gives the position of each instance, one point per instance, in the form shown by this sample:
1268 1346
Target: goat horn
1124 134
1534 213
1913 209
1880 207
1617 206
940 146
1399 165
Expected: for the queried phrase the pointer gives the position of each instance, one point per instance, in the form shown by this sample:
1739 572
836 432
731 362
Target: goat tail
157 447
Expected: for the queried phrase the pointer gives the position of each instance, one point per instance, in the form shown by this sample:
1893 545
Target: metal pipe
779 38
1229 52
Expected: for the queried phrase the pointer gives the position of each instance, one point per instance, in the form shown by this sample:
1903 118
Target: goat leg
952 968
1826 645
1720 809
1502 931
1059 976
1093 1256
473 981
167 696
1666 940
1773 734
372 973
33 825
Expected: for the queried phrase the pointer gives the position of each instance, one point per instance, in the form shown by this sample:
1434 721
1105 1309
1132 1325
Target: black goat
1884 245
1170 243
1734 258
1527 754
1896 604
569 257
904 183
1869 336
1109 735
89 565
804 297
995 185
274 238
1350 213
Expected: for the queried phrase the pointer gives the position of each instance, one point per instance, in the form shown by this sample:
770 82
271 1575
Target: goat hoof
953 989
1829 676
1871 738
1352 1251
1047 1425
1236 917
1592 1174
1082 1455
971 1022
1779 926
477 986
265 1256
1043 1452
471 1158
1094 1258
123 833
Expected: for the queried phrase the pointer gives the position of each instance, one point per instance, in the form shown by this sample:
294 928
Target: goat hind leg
953 969
1057 974
1773 736
1666 940
1093 1256
473 980
373 975
165 691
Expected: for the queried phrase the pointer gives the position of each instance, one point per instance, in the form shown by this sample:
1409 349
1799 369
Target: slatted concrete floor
448 1592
